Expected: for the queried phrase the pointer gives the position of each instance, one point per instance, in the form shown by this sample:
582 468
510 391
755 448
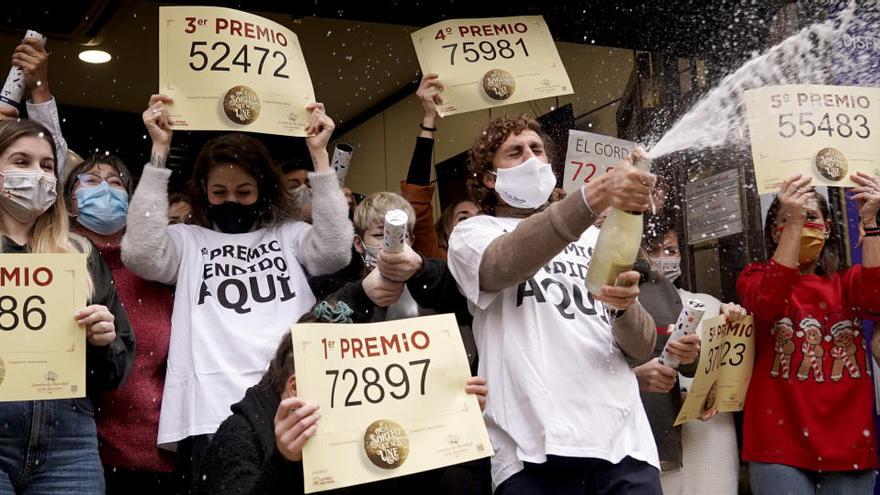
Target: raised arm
326 248
417 188
34 62
867 197
765 288
863 285
147 248
516 256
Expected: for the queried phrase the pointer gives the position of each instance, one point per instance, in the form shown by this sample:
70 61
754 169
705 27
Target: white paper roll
395 231
341 160
13 89
688 321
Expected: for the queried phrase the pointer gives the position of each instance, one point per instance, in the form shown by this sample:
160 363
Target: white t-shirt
236 296
558 382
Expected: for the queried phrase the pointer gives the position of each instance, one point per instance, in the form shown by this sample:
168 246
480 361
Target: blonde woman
51 446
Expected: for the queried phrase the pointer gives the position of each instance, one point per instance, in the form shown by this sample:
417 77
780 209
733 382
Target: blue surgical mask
102 209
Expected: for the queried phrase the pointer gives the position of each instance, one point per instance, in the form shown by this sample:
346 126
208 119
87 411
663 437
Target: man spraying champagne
570 419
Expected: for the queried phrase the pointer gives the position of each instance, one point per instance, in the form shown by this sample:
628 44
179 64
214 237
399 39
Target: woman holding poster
808 415
51 446
240 268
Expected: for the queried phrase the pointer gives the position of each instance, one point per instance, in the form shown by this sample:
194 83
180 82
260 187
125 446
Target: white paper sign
713 208
589 155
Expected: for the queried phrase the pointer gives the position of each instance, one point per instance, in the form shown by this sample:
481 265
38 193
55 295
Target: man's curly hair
481 155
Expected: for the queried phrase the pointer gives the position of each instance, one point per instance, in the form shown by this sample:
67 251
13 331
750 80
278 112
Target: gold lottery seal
242 105
499 84
386 444
831 163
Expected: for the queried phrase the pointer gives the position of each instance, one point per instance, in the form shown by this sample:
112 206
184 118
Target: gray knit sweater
148 251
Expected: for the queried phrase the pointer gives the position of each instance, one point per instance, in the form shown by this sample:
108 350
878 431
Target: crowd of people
191 384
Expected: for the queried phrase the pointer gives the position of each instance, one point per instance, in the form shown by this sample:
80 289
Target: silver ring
155 110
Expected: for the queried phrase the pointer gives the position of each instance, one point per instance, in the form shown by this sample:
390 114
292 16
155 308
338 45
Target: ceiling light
94 56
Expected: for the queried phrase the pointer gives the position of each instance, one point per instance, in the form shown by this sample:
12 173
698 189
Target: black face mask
234 218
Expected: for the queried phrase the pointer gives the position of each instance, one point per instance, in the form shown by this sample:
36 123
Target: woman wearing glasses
97 191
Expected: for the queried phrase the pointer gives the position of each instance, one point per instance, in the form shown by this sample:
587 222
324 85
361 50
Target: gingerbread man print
843 352
784 347
814 354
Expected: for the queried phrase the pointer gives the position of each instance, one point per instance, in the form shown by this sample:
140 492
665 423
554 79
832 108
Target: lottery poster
486 63
230 70
42 348
392 398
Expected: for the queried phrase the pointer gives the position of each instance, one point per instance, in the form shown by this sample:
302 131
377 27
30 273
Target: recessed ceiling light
94 56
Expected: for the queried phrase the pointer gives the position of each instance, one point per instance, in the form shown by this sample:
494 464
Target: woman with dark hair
128 420
808 418
258 449
50 446
98 191
454 214
240 268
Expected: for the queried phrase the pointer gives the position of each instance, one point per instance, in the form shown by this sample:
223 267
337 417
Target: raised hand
34 62
867 197
429 95
157 120
624 186
792 197
319 128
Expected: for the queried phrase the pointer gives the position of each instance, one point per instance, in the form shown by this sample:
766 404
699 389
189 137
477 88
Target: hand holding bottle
624 186
623 293
627 190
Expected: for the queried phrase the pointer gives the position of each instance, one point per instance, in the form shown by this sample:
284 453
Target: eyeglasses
94 180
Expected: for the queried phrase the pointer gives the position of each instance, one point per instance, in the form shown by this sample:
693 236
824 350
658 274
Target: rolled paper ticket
341 160
13 89
688 321
395 231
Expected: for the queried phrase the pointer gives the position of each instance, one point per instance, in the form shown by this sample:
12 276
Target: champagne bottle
618 244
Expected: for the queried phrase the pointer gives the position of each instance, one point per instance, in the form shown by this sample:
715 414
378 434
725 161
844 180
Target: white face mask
26 195
371 256
527 185
670 266
302 196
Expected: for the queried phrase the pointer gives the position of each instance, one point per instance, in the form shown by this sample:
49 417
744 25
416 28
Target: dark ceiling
722 32
682 27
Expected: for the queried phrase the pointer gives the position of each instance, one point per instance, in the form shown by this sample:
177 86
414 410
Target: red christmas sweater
128 418
810 401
